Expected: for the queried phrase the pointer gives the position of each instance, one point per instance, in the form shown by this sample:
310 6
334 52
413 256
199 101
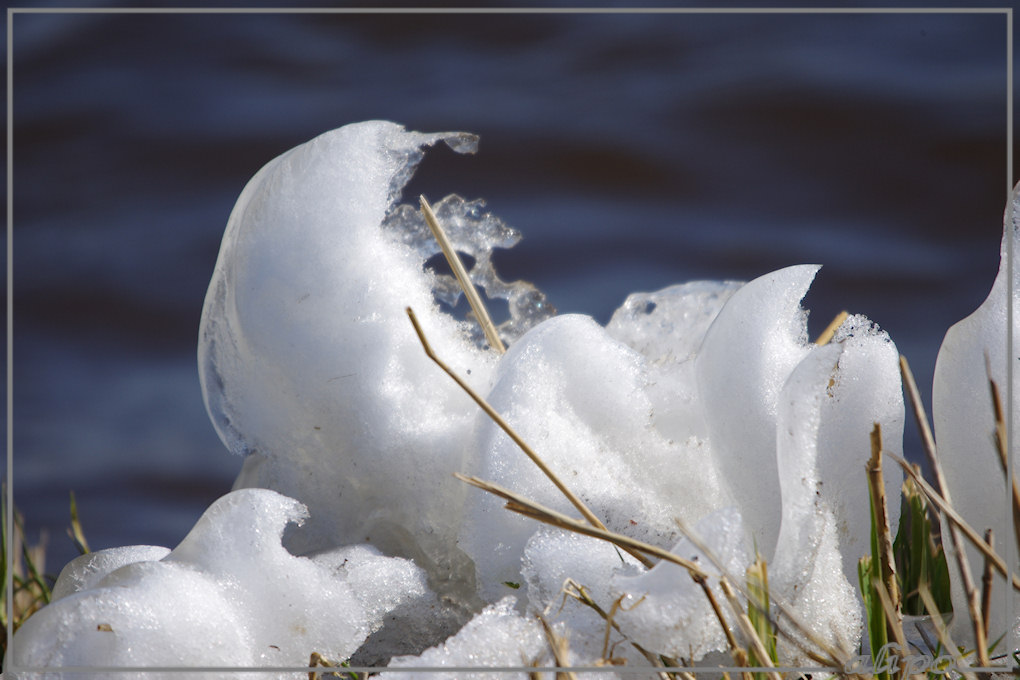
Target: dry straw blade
1001 446
942 631
882 547
941 498
826 336
477 306
498 419
524 506
956 520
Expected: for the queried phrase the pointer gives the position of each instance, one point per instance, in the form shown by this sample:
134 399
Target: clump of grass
921 569
23 565
920 557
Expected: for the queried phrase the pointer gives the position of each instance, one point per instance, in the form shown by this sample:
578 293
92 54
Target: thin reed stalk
560 649
524 506
942 631
986 586
828 655
955 525
885 557
1001 447
474 300
825 337
738 654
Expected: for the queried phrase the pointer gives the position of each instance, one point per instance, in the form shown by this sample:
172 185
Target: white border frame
12 11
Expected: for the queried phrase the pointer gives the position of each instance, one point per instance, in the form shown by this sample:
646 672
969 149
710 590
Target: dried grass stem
523 445
474 300
956 523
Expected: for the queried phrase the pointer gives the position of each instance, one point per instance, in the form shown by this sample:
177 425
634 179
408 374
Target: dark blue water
633 152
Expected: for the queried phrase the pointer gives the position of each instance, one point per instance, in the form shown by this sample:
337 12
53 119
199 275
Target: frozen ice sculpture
310 369
308 364
703 402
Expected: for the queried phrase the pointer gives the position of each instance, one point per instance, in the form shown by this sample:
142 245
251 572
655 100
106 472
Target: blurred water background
633 151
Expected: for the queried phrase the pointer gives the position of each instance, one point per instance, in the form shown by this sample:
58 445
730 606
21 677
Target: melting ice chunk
807 571
668 326
750 349
965 423
310 367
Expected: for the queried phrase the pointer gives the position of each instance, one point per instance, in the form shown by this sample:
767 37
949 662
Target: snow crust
704 402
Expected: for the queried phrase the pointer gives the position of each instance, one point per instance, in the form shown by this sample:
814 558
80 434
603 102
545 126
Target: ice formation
309 365
804 444
965 423
229 595
703 402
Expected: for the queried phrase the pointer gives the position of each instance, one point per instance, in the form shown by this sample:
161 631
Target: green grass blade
920 558
868 570
877 632
758 607
77 535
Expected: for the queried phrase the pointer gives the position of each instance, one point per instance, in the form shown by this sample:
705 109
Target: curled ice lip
307 362
750 349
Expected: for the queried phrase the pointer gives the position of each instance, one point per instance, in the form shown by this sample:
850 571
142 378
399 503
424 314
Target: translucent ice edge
475 233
